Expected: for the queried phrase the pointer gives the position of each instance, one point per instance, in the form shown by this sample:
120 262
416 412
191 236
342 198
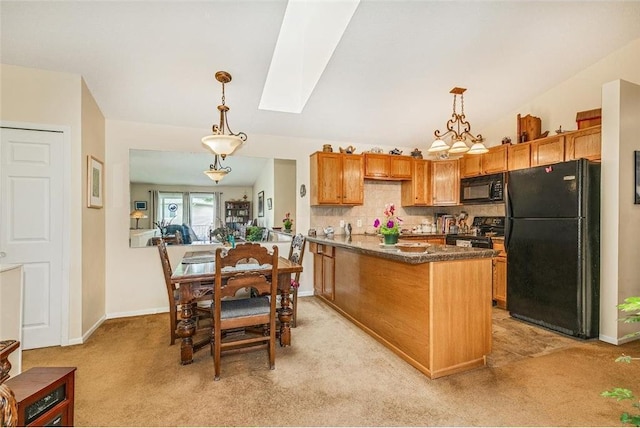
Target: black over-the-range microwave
485 189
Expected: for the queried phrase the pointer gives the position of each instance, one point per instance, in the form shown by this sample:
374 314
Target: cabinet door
376 165
585 143
470 165
417 191
400 167
326 178
495 160
328 272
547 151
352 180
519 156
500 282
445 178
316 250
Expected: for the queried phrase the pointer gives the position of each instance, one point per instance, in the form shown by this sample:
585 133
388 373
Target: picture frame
140 205
95 182
636 154
261 204
269 203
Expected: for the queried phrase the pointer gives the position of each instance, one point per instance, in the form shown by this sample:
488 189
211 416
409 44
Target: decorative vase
391 239
287 230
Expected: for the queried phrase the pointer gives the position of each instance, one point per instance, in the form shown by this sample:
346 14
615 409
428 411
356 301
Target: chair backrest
166 269
296 251
253 255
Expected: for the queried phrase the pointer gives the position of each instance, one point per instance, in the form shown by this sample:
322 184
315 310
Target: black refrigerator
552 237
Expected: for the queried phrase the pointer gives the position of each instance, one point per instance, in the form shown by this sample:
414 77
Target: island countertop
370 244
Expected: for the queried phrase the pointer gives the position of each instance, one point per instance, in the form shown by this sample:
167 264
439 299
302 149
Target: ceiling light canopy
223 143
216 171
459 131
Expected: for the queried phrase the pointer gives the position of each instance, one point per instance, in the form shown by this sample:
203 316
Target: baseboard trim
151 311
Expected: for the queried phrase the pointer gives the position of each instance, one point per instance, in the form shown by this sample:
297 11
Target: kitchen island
432 308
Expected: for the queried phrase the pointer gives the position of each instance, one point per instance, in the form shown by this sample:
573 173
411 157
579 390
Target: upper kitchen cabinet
545 151
378 166
337 179
495 160
519 156
584 143
445 182
417 191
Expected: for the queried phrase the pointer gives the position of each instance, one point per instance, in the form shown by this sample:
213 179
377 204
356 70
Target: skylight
310 32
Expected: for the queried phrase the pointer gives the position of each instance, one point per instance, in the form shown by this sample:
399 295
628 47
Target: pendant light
216 171
459 130
223 141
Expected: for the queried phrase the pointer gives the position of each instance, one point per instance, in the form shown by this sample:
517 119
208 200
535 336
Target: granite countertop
371 245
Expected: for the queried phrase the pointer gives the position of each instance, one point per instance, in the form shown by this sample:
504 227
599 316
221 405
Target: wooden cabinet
337 179
500 275
323 270
417 191
45 396
494 161
585 143
445 182
379 166
545 151
519 156
237 214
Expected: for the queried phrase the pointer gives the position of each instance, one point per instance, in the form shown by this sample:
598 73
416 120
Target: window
196 210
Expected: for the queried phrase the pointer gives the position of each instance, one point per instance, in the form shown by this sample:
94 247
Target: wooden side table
45 396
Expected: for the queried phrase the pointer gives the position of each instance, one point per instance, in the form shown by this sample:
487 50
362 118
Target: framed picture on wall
140 205
261 204
637 176
269 203
95 185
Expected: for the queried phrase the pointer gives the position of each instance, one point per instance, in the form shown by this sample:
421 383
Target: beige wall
620 225
93 225
44 98
285 193
559 105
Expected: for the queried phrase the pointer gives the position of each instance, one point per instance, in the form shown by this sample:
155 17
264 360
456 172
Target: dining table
194 277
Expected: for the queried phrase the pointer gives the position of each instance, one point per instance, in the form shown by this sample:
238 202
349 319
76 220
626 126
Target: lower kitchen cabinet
500 275
323 270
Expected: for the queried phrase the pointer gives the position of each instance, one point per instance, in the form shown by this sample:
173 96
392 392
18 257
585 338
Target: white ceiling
387 82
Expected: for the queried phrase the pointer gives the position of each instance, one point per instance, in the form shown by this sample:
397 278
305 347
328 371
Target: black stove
486 227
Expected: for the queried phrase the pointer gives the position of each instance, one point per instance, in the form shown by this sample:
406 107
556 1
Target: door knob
3 254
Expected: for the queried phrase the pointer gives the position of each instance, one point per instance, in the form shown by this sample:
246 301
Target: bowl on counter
413 247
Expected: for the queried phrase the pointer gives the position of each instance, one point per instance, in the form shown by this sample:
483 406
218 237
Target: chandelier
459 131
223 143
216 171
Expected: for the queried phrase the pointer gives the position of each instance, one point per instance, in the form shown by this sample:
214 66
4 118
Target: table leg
187 325
285 314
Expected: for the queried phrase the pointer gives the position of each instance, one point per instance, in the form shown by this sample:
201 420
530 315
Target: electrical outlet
341 223
359 223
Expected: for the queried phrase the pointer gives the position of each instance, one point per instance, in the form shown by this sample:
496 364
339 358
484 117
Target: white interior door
31 225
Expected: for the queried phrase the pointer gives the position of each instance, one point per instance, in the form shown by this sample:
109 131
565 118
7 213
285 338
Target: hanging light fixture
216 171
460 131
223 143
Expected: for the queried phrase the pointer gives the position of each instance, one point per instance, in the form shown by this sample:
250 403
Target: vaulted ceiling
387 82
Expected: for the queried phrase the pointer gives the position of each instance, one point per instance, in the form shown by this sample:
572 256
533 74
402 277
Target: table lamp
137 214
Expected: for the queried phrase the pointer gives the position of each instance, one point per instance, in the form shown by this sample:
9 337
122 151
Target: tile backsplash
379 193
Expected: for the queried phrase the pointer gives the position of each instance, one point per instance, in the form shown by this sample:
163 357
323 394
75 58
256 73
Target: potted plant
631 304
288 222
389 228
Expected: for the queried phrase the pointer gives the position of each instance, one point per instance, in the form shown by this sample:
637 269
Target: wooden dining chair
296 253
201 313
244 324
